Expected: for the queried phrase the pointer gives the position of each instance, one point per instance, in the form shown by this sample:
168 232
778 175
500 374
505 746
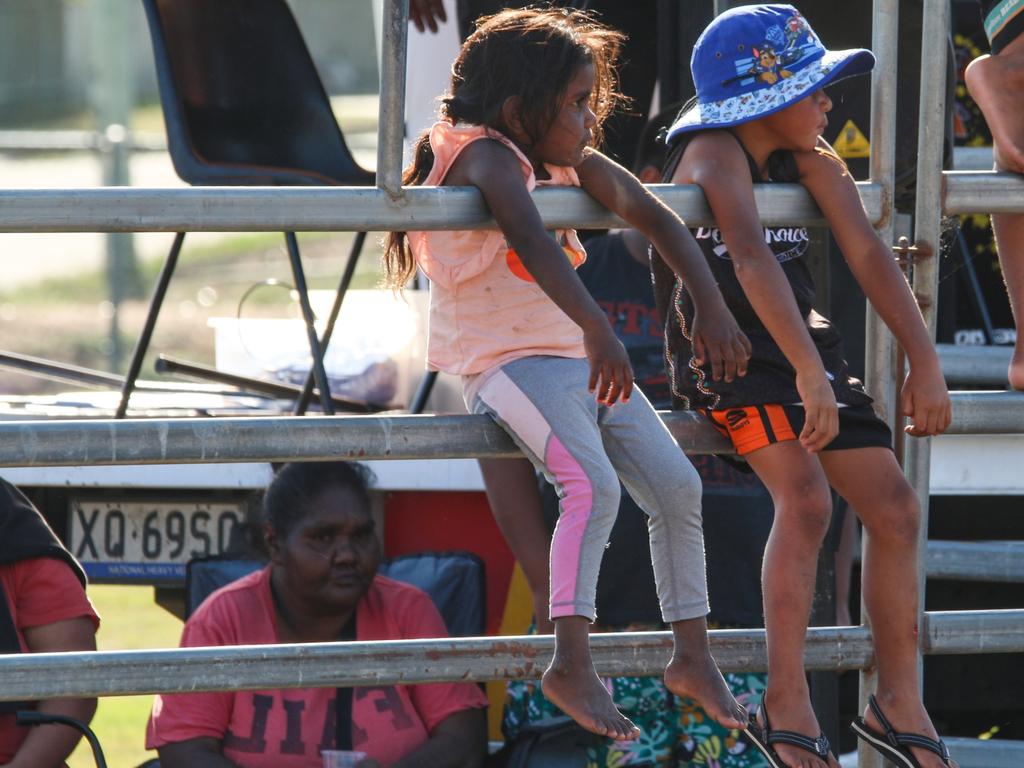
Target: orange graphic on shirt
517 268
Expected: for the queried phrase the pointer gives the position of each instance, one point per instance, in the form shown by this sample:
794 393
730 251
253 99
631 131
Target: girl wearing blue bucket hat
798 418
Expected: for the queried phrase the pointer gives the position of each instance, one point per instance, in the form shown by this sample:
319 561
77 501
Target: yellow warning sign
851 143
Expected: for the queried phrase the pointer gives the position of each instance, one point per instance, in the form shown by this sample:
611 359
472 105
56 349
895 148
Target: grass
69 319
129 620
64 319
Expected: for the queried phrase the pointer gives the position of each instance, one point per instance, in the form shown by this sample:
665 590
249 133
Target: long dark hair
532 54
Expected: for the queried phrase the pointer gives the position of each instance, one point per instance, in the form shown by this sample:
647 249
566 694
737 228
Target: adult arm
458 741
716 163
497 173
202 752
716 336
924 397
47 746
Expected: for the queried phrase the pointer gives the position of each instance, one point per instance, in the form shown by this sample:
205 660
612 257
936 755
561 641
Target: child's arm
715 162
497 173
924 397
716 336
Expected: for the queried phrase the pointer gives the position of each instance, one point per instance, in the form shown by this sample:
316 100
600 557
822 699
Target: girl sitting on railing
529 92
797 417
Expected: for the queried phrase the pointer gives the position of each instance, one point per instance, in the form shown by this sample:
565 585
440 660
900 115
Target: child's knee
597 492
901 521
807 513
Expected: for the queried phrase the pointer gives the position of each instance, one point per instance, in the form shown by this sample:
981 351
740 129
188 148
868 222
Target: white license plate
141 540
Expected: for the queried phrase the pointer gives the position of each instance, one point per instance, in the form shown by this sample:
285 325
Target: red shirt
39 591
288 728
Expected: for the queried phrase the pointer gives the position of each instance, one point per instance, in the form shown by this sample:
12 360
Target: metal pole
354 209
58 443
278 389
391 120
339 296
927 233
111 94
155 303
403 662
879 349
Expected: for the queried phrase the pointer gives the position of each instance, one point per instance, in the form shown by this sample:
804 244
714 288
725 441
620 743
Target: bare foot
1016 371
794 713
582 696
697 677
996 83
906 714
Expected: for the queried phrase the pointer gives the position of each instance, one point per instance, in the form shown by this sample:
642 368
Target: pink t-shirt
485 308
288 728
39 591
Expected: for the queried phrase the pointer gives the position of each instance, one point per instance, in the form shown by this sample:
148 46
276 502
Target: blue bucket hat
758 59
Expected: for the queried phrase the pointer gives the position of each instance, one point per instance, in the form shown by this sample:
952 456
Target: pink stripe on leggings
567 543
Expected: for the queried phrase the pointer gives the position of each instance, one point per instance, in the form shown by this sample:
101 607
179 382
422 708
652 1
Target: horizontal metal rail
309 209
79 141
56 443
987 413
975 365
995 561
271 209
396 662
986 753
982 192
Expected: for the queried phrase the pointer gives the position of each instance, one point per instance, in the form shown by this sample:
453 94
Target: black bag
555 742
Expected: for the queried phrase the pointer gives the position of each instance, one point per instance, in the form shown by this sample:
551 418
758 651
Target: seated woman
320 586
43 609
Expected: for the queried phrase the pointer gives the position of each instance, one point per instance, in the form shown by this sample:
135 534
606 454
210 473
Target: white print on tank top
795 237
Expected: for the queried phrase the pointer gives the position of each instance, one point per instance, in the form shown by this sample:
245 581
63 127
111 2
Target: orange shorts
755 426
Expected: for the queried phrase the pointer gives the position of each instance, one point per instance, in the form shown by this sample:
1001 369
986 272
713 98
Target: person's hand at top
427 14
611 375
821 421
717 339
924 399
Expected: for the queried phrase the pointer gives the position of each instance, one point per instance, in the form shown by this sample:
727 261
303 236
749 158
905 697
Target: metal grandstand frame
30 443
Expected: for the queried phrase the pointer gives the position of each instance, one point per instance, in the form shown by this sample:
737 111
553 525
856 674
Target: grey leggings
584 450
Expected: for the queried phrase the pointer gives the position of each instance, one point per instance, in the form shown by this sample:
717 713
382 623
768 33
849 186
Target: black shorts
755 426
1004 21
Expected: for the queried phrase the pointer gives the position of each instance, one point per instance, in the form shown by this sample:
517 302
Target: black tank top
770 378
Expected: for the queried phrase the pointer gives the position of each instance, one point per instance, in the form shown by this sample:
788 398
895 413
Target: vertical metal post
391 119
879 347
927 232
111 97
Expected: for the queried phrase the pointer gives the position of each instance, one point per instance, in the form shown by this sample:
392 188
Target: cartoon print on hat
754 60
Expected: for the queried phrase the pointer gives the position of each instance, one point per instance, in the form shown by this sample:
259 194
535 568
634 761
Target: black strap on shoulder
343 698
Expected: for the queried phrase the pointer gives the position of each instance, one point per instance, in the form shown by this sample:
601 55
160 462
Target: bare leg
515 503
572 684
996 83
803 506
1008 229
891 515
693 674
844 566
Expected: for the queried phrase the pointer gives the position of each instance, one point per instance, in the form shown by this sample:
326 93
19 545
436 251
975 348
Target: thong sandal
896 746
763 737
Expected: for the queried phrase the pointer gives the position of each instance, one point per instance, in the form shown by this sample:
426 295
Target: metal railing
390 206
393 662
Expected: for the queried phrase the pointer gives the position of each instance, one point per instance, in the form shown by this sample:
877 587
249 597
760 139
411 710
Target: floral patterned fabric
674 733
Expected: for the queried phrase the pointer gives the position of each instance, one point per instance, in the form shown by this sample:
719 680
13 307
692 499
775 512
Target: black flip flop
894 746
764 737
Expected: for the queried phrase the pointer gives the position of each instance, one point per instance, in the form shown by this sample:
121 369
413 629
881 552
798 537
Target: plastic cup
341 758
